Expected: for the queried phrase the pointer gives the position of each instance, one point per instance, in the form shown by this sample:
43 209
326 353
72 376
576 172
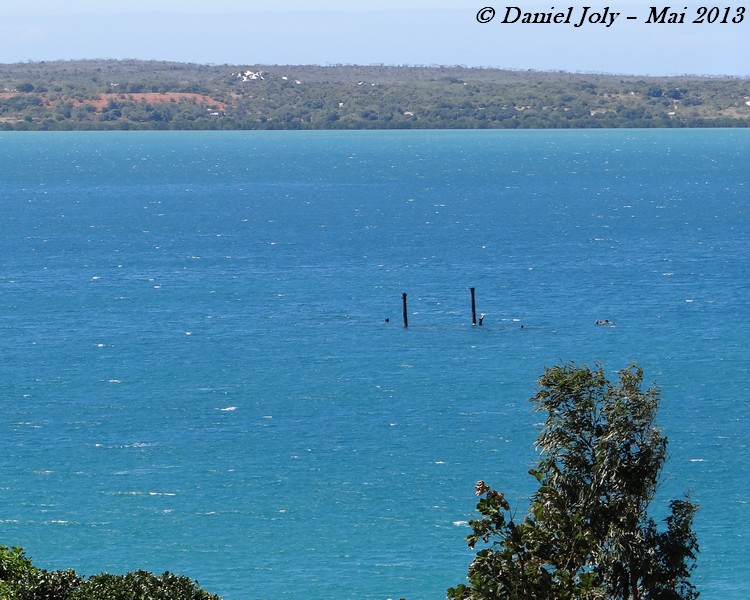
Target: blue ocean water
197 375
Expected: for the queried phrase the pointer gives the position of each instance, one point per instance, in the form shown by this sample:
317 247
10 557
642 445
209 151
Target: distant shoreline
132 94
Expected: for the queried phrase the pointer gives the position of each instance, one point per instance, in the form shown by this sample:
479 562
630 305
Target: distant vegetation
97 94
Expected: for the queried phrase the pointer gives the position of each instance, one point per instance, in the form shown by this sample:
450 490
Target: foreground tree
587 534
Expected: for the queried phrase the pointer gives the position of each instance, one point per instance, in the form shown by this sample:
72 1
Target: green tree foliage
587 534
21 580
141 585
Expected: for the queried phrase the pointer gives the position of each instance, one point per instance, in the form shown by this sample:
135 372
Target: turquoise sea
197 374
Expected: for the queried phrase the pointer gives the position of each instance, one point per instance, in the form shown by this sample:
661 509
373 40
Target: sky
391 32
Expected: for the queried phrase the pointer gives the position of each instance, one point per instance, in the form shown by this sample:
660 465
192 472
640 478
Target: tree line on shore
95 94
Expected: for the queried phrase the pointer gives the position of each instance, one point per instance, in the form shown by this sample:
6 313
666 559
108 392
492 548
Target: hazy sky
412 32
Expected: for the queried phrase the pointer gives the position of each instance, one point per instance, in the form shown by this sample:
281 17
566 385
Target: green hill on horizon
132 94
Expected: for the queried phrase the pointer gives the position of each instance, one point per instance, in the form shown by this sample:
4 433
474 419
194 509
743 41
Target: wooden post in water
406 314
473 308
